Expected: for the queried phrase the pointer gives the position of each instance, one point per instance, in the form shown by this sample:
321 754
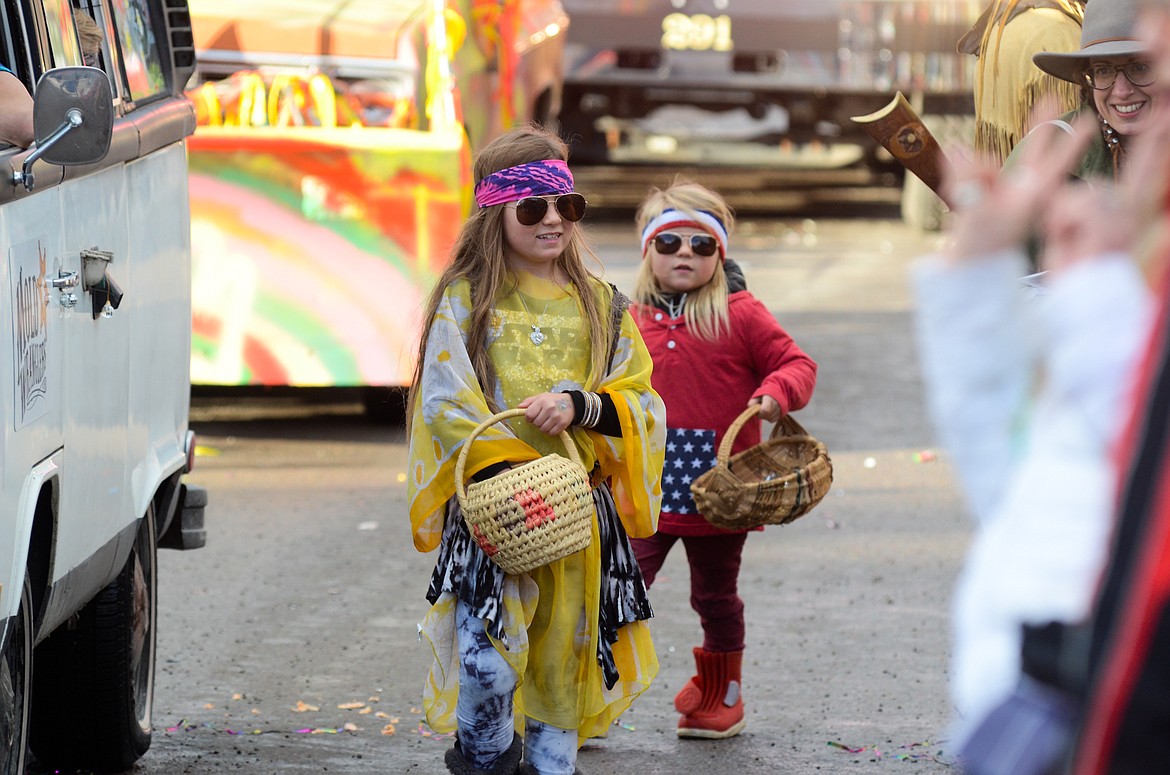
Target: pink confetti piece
898 754
426 731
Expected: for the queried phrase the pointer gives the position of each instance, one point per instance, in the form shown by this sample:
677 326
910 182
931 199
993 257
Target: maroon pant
714 563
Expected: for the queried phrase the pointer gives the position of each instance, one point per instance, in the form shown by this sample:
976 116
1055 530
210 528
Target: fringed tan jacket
1008 84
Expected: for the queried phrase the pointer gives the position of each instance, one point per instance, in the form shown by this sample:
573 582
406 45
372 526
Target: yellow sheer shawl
550 615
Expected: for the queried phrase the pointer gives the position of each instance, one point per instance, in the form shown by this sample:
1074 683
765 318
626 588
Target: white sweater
1028 390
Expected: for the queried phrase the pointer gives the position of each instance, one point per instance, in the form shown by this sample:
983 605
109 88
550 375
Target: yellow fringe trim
1003 105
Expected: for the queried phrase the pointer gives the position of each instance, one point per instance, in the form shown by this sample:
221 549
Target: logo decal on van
30 330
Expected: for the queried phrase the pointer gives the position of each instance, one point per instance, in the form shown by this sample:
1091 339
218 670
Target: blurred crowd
1043 338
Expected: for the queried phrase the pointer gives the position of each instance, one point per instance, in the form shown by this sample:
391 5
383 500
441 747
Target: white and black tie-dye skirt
464 570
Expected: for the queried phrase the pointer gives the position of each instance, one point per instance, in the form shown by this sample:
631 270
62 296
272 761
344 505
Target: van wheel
15 674
94 683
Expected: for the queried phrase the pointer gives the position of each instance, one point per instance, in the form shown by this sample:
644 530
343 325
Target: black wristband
490 471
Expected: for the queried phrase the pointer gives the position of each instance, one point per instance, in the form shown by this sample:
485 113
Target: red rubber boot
719 710
690 697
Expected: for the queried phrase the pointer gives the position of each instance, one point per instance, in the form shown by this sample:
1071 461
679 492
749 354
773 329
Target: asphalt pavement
289 643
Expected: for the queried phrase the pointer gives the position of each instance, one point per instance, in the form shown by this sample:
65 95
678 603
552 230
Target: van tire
94 683
15 676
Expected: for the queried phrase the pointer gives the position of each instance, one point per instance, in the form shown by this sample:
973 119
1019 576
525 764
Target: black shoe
507 764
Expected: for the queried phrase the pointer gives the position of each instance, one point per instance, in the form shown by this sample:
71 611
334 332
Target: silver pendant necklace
537 336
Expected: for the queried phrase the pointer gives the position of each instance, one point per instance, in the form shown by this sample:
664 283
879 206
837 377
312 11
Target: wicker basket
772 483
531 515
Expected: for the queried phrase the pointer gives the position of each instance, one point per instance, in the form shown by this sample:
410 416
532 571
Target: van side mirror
73 118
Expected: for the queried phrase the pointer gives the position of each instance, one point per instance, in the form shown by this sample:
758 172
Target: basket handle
732 431
461 462
787 423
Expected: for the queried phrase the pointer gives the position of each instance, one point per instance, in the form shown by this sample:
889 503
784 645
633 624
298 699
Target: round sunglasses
701 244
531 209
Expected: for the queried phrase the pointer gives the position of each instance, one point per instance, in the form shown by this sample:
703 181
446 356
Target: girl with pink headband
529 666
709 337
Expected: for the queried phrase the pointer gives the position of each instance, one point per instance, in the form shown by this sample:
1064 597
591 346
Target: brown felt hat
1109 30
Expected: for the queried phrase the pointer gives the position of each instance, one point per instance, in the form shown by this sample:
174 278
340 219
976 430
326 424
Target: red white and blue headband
674 219
539 178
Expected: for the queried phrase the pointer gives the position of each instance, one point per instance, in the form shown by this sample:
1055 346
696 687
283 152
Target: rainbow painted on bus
329 176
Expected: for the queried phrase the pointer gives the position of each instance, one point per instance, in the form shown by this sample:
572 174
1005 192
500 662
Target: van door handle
63 280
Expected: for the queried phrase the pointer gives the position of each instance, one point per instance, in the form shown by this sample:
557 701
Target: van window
62 38
12 48
140 54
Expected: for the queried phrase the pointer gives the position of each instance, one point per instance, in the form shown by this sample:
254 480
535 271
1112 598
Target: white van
94 376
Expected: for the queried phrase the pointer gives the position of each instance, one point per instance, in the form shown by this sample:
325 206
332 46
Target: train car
759 84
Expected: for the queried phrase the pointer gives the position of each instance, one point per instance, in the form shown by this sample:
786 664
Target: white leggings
484 714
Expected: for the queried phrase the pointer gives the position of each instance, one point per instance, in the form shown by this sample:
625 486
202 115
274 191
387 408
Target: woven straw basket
772 483
532 515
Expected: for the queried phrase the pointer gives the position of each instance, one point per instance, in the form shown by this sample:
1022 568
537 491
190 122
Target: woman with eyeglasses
517 320
1115 73
717 349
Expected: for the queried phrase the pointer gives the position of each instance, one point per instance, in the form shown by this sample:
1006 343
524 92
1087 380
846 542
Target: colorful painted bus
330 172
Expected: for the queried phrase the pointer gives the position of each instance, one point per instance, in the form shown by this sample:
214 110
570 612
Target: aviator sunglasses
531 209
701 244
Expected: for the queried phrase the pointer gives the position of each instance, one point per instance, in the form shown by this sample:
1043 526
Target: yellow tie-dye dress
539 617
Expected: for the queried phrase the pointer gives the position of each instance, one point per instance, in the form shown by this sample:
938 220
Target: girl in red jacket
716 349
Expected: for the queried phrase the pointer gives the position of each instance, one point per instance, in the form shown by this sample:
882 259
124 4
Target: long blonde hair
479 257
706 309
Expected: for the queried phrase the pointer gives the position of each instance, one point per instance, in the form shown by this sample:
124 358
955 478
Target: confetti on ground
363 708
870 462
914 752
925 456
426 731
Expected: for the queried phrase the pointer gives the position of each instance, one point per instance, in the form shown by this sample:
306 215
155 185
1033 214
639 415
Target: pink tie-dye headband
538 178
